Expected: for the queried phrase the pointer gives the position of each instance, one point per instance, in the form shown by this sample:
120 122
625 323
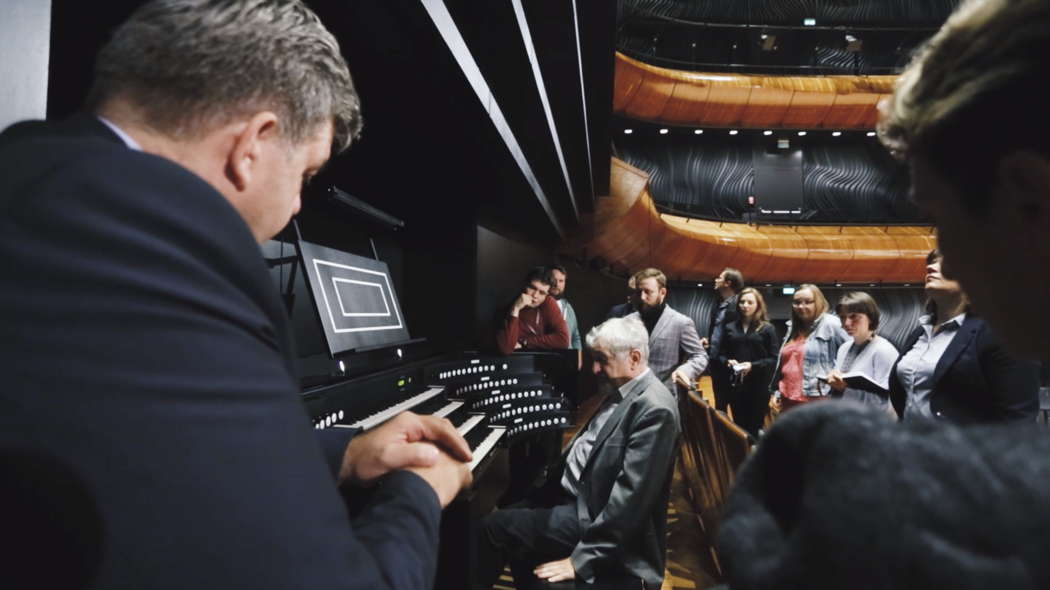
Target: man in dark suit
147 355
728 283
602 512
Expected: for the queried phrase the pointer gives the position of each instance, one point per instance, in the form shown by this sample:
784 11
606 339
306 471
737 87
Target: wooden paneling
675 97
627 230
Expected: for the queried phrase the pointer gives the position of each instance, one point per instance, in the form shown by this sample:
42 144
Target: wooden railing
678 97
627 230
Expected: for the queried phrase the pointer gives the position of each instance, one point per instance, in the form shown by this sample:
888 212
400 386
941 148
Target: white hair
619 336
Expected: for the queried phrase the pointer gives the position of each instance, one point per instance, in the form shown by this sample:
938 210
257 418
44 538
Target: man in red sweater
533 321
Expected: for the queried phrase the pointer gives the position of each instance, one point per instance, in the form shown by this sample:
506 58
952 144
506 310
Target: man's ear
246 150
636 356
1023 184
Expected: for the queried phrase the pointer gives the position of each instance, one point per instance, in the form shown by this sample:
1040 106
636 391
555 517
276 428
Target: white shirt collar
127 139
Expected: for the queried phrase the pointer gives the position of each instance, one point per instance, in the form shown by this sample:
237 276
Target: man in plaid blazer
675 353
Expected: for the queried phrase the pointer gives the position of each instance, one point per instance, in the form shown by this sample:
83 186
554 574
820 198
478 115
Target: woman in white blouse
863 364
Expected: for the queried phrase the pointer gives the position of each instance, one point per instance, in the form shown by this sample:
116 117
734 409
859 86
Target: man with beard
602 512
676 355
557 276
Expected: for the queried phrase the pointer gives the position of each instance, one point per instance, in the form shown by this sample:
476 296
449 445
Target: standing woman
866 354
808 350
749 351
954 369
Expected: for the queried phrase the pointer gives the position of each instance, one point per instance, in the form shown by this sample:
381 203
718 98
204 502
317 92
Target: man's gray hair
191 65
619 336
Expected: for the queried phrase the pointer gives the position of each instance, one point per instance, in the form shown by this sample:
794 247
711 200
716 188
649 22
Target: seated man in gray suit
602 512
676 354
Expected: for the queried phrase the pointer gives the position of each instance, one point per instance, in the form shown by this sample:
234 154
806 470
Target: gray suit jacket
622 499
675 344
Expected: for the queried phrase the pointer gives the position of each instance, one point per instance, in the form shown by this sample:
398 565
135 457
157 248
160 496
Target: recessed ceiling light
733 132
809 22
801 133
836 133
767 132
698 131
871 134
628 131
663 132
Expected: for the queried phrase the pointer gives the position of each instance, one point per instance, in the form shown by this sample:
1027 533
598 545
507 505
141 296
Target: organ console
493 402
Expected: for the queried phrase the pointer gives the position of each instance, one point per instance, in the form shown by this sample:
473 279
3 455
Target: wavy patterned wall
854 12
842 182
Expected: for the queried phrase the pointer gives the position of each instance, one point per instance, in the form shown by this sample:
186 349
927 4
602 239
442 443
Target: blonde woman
808 351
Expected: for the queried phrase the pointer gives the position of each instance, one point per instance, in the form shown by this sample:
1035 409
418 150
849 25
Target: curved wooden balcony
627 230
675 97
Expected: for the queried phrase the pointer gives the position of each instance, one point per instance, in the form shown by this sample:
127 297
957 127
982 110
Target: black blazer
147 352
975 380
759 347
731 316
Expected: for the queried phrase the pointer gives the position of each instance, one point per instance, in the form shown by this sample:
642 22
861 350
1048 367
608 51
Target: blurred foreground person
150 407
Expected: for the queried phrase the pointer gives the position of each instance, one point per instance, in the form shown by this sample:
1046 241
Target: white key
380 417
445 411
486 446
469 424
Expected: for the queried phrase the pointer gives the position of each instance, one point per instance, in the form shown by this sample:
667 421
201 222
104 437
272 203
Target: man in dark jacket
148 360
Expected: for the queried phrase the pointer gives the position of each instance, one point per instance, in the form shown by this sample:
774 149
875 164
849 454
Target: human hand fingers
441 431
446 477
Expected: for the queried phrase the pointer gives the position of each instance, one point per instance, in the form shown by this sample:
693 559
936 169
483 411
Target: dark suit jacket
146 349
731 316
976 380
622 500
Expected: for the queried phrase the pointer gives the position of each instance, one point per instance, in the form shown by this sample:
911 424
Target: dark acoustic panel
791 12
842 181
778 183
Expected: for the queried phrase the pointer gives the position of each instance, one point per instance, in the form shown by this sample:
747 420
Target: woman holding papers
863 364
749 350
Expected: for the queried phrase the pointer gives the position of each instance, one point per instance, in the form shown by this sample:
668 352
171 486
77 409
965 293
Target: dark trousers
720 383
749 407
526 534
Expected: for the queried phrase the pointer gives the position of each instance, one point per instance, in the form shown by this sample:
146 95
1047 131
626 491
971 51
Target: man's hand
520 303
680 379
407 440
704 342
745 368
556 571
447 476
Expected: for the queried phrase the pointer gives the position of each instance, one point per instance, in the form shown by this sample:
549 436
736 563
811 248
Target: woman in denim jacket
808 351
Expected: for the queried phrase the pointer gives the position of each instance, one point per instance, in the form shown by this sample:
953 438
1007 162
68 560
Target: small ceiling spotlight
836 133
733 132
801 133
628 131
767 132
698 131
871 134
663 132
